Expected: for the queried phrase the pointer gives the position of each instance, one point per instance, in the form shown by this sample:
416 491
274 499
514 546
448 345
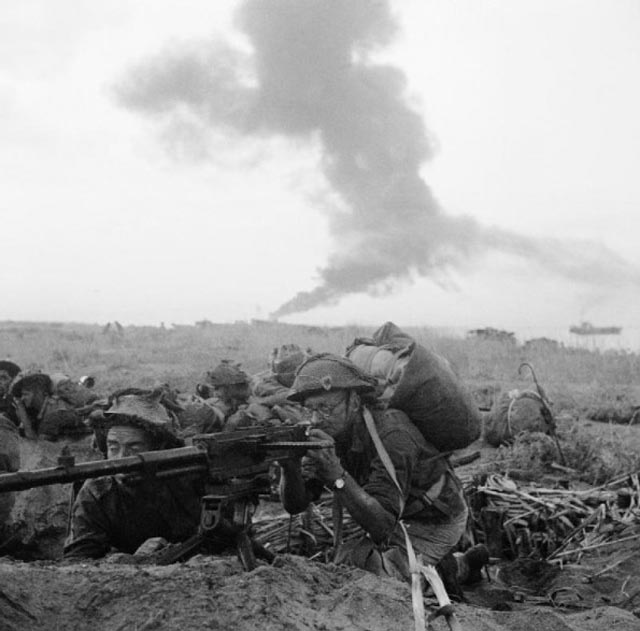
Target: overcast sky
155 167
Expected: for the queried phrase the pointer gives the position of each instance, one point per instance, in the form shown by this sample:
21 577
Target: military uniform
51 415
8 410
435 511
428 497
9 462
8 372
109 515
115 513
270 388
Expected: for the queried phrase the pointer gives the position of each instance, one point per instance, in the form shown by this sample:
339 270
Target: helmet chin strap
352 409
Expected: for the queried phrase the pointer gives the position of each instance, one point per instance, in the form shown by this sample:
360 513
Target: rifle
234 467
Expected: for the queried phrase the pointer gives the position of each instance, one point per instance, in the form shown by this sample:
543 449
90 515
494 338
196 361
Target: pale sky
532 107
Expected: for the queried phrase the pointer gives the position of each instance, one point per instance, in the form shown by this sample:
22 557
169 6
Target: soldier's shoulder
396 421
392 418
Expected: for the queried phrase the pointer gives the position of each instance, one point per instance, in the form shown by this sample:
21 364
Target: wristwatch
339 483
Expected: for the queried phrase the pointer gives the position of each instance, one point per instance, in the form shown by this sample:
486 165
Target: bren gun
233 466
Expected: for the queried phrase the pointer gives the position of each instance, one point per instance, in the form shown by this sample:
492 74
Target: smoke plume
310 74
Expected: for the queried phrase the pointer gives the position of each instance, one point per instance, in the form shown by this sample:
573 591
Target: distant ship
586 328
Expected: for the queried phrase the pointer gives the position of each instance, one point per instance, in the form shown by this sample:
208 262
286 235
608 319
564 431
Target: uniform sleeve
404 453
89 531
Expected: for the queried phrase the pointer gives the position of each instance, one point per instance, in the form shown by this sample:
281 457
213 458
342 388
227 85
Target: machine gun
233 466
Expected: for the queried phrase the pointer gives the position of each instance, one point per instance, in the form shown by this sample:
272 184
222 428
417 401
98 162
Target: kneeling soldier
428 497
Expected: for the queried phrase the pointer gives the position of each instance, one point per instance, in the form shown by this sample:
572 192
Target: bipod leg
245 551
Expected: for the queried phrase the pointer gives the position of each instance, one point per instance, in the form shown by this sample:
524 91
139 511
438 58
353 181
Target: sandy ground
293 594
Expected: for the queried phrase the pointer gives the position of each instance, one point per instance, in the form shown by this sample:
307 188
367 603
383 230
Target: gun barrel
154 462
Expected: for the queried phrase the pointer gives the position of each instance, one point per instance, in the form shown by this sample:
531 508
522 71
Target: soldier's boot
470 564
448 569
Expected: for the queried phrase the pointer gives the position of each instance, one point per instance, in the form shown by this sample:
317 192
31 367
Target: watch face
339 483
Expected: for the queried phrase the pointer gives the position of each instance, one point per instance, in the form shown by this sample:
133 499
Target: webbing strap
383 455
414 566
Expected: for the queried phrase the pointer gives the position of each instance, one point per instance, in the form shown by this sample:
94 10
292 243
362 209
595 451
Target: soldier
429 499
8 372
48 405
9 462
133 514
271 387
195 415
30 392
228 389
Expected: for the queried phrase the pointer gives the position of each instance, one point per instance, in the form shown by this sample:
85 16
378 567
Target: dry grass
577 380
594 452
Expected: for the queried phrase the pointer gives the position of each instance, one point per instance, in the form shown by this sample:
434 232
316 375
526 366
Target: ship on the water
586 328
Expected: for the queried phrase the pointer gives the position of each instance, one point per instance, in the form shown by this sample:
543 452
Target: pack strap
430 497
417 568
383 455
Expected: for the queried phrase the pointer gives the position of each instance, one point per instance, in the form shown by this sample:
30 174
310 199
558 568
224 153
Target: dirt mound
294 594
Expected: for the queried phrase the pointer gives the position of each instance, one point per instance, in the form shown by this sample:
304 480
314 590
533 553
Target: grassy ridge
143 356
582 384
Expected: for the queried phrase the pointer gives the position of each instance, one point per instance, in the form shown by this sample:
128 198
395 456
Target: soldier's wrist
339 481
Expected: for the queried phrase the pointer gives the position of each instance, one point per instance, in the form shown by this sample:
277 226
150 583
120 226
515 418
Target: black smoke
311 74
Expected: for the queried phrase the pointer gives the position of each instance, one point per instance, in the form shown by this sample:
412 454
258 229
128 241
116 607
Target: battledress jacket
431 492
109 515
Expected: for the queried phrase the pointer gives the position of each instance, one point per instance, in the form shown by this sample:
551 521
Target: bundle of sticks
312 533
555 524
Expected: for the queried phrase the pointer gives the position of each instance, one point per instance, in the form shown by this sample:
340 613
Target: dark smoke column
310 75
314 79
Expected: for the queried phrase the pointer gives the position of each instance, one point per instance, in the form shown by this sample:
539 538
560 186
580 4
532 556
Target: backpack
75 394
422 384
513 412
60 418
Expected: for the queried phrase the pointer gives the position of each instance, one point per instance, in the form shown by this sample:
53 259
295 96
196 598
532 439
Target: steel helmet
285 361
325 372
227 374
11 368
139 408
29 379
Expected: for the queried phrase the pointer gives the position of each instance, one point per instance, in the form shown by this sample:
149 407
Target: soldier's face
330 412
232 393
123 441
5 381
33 398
